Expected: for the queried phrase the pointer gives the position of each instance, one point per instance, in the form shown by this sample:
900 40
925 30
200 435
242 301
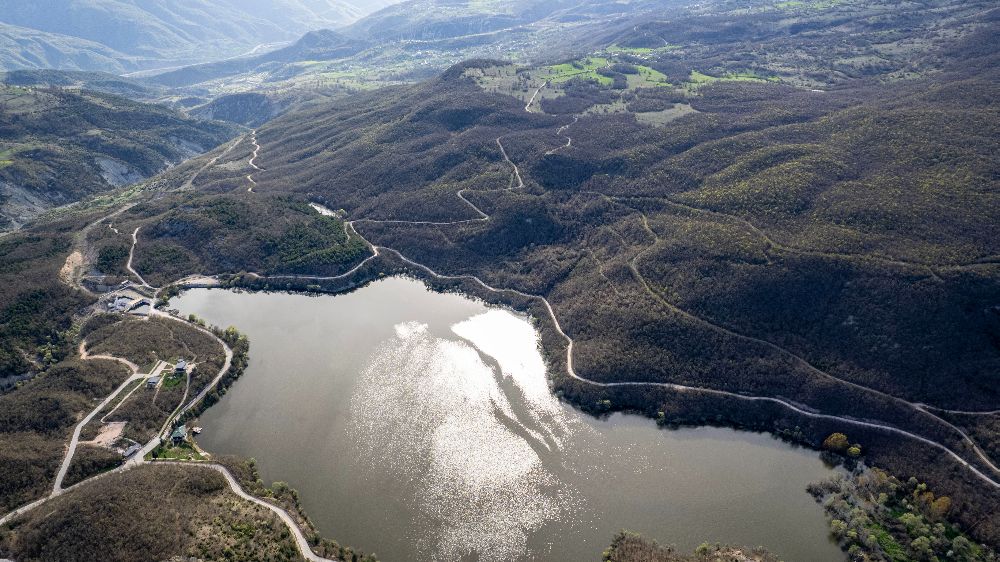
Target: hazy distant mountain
21 47
126 34
323 44
437 19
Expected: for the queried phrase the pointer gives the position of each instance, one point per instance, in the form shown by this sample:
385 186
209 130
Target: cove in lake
420 426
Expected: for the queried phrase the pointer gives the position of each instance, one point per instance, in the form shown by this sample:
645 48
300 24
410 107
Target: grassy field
699 79
585 69
660 118
619 50
185 452
171 380
646 78
7 154
796 5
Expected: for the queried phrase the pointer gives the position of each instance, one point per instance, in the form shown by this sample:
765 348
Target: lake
420 426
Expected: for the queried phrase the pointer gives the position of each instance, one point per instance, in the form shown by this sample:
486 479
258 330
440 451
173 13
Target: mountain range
122 36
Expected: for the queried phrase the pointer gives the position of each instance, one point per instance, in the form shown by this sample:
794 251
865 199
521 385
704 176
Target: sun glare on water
437 412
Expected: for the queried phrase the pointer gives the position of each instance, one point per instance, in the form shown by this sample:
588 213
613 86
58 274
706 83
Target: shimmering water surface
419 426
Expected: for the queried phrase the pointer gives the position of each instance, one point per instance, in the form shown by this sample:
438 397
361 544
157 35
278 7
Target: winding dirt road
571 372
569 139
253 160
190 181
57 487
131 253
635 268
527 106
139 458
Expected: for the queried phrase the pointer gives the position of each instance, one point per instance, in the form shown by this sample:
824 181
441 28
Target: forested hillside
132 516
630 547
58 146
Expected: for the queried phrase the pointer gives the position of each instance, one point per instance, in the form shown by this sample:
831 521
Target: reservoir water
419 426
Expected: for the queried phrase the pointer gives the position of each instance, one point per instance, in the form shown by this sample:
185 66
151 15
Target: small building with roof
179 435
181 367
152 381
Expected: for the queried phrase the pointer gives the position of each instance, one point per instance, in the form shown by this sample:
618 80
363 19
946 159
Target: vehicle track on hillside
190 181
57 487
131 254
571 372
138 458
73 274
932 268
527 106
515 176
569 139
252 161
797 360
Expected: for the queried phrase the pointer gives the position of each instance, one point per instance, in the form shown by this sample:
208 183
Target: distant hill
120 35
59 146
83 80
21 47
322 44
439 19
416 39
